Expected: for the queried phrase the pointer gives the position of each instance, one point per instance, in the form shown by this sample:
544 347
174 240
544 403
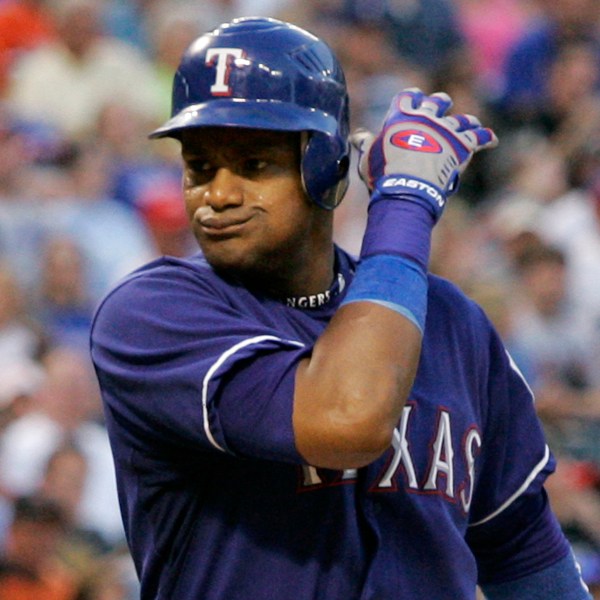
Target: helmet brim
249 114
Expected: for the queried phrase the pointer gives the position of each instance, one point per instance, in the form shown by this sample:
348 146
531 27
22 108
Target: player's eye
254 166
200 165
198 171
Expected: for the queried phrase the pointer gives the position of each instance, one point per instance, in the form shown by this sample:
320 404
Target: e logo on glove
413 139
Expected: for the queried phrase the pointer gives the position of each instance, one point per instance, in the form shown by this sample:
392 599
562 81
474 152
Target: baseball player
288 421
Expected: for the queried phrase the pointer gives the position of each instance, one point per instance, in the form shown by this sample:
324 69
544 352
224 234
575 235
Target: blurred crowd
85 198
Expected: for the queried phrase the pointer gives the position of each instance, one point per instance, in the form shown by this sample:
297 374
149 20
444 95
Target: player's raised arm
350 393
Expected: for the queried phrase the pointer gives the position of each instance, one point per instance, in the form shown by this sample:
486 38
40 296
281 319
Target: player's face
245 200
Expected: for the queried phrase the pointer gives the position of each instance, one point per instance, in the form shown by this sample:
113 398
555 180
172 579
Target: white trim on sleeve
227 354
521 489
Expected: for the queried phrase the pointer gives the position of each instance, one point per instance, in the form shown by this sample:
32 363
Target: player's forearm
353 388
350 393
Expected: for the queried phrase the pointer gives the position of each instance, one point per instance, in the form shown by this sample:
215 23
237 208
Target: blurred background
85 198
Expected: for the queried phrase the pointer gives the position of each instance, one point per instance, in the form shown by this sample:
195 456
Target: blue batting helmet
266 74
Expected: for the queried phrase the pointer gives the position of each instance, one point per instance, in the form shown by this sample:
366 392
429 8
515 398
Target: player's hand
420 152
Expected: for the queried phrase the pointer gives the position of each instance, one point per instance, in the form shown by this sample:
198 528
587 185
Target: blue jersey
197 379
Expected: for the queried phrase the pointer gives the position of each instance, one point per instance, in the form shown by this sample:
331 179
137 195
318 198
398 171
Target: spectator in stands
547 326
14 157
170 31
144 178
370 82
531 58
423 32
19 381
21 339
112 238
490 29
68 81
572 224
24 25
66 409
63 482
29 565
62 304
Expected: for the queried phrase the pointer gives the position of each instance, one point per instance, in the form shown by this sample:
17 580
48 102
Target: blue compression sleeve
560 581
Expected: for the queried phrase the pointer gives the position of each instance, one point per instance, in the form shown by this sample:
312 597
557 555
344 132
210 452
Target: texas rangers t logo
223 57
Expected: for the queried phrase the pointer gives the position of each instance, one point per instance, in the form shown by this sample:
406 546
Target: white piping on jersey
217 364
516 369
523 487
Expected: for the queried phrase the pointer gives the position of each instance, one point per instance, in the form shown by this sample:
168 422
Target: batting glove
420 152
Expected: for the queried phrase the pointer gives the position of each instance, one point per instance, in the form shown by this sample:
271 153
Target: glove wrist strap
409 188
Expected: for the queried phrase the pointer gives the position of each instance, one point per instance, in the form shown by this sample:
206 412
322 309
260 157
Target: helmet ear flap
324 168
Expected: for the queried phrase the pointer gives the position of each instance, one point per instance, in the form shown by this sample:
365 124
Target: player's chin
227 256
252 268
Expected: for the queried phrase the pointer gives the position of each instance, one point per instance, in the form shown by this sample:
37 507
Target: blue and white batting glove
420 152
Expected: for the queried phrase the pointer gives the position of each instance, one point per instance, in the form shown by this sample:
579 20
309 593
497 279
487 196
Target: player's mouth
220 226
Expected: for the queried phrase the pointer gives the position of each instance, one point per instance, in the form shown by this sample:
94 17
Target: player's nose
225 189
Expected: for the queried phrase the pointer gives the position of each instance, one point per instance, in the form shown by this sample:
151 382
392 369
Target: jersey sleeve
512 530
180 366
